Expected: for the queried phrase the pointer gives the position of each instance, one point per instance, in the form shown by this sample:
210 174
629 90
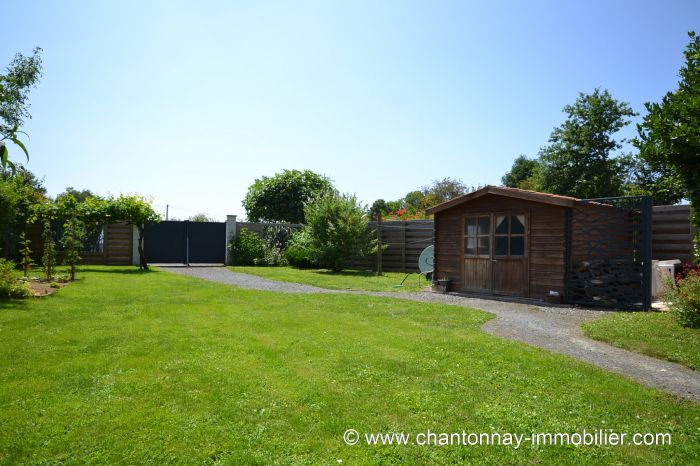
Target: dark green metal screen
608 253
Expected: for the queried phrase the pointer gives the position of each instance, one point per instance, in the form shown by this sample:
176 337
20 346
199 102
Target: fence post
403 248
647 219
230 234
379 244
135 256
187 243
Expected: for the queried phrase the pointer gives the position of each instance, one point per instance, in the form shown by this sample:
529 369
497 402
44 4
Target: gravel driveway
553 328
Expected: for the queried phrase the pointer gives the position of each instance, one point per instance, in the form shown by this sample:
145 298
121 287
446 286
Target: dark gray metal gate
185 242
608 253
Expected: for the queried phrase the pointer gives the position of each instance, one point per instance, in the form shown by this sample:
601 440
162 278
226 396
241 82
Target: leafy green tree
10 198
29 179
441 191
281 198
393 206
378 208
580 158
669 135
19 193
136 210
521 173
662 184
337 228
413 201
79 195
21 75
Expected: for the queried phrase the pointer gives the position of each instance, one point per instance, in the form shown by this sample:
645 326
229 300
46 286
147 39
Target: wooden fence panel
116 250
404 241
672 233
118 244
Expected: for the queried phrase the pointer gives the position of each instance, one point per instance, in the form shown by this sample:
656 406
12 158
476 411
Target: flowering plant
404 214
686 270
684 298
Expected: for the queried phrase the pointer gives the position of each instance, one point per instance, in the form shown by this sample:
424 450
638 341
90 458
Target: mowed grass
125 367
656 334
346 280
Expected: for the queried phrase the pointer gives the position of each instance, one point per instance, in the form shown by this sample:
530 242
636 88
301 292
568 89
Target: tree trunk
142 258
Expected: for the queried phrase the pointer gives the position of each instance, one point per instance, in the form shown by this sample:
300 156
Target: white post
135 259
230 234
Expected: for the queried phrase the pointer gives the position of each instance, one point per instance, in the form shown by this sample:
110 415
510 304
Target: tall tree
78 194
441 191
21 75
580 159
661 183
19 192
669 135
281 198
521 173
413 201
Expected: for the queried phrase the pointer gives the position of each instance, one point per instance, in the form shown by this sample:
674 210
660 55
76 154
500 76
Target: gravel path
554 328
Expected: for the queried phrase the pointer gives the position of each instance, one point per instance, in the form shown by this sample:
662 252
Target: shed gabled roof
534 196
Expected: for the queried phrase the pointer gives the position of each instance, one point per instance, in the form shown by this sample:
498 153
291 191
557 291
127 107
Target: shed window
477 236
510 235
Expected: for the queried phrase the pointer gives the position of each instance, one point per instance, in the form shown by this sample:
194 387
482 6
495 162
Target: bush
275 238
299 251
684 299
250 249
10 285
247 248
338 229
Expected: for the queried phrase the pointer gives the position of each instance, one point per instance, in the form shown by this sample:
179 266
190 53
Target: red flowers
404 214
688 270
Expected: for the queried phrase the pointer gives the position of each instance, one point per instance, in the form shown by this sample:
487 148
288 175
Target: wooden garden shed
513 242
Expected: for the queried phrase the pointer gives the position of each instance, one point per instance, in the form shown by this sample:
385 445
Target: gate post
230 234
135 257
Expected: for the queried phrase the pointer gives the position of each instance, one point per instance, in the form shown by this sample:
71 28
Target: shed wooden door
495 253
509 263
477 253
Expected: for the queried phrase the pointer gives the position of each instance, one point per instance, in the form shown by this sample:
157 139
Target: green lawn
656 334
151 367
345 280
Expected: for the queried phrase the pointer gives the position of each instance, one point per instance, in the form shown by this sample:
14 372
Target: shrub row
335 234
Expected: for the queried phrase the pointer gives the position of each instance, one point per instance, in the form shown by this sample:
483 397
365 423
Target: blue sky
189 102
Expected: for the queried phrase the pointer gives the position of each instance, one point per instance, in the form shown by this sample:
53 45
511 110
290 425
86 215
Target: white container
661 272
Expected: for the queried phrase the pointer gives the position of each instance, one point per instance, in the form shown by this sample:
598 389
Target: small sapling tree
72 241
25 254
48 258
